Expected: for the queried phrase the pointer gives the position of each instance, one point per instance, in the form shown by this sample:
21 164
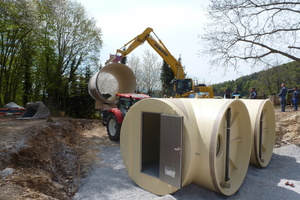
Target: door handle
177 149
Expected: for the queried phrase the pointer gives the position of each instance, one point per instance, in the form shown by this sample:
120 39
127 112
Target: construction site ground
47 158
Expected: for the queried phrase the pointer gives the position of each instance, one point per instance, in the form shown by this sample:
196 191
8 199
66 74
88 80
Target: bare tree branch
255 32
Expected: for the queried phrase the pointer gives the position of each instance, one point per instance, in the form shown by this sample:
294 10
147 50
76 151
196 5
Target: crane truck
182 86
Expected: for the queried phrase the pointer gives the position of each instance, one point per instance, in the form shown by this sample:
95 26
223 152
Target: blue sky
177 23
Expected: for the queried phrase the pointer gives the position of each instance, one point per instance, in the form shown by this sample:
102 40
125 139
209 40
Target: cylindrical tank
216 144
111 79
263 131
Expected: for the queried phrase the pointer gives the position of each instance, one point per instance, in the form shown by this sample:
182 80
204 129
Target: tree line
266 82
49 49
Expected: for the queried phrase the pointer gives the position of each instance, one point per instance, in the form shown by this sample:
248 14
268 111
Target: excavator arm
134 43
182 87
158 46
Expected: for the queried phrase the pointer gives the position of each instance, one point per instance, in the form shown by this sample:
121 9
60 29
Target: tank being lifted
113 89
167 144
111 79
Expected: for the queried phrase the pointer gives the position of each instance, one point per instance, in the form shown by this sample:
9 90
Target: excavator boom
183 86
158 46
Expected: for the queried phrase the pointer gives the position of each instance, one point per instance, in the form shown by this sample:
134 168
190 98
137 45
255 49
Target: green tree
27 59
80 103
166 77
18 20
46 48
75 37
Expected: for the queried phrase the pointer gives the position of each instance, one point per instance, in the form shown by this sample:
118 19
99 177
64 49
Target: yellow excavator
182 86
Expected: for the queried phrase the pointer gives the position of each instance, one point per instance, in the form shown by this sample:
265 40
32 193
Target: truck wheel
113 128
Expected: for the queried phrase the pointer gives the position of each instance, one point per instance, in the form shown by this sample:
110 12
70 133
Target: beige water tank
167 144
263 131
111 79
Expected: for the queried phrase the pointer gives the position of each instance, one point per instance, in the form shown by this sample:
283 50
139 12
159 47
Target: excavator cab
183 86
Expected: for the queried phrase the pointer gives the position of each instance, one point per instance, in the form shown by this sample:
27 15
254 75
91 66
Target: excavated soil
45 159
287 127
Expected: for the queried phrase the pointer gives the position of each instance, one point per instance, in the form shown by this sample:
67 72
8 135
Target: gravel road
109 180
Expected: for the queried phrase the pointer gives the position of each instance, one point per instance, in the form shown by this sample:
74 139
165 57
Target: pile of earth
46 159
287 127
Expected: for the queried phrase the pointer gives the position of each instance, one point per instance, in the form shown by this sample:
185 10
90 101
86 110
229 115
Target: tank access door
171 133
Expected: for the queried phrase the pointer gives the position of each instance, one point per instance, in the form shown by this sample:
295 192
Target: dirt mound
287 128
47 159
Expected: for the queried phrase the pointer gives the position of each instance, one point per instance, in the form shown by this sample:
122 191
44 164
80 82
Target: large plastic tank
167 144
263 131
111 79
